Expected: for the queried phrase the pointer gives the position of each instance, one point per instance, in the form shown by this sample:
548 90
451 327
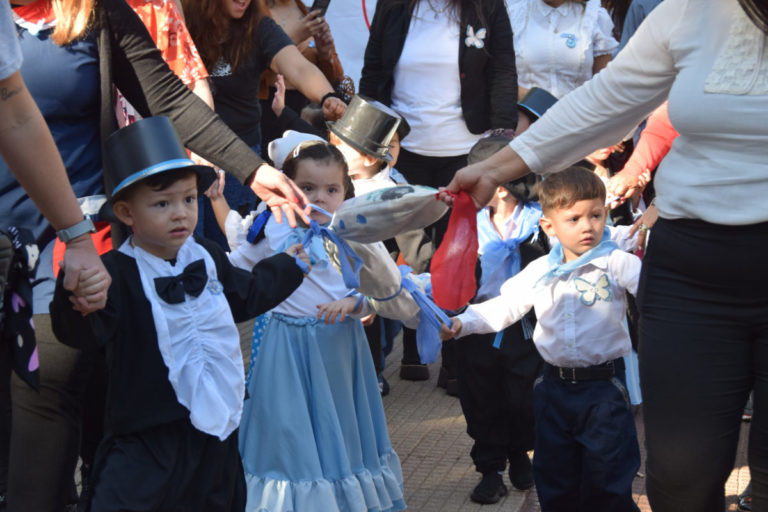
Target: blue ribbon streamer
350 272
430 319
258 224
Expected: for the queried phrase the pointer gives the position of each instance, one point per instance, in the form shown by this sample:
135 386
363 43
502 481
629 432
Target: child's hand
297 250
90 288
446 333
368 319
278 102
336 310
216 190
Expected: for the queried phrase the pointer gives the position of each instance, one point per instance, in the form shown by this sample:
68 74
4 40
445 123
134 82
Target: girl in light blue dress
313 435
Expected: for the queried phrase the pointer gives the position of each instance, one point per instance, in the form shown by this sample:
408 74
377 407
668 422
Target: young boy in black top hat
176 379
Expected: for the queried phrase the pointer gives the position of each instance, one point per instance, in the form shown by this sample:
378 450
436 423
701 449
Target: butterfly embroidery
473 39
590 293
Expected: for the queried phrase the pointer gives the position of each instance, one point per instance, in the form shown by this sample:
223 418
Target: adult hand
481 179
323 39
85 275
474 180
280 193
624 185
644 224
307 26
278 102
333 108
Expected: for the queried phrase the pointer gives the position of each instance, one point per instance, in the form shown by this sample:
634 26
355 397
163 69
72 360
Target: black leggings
703 346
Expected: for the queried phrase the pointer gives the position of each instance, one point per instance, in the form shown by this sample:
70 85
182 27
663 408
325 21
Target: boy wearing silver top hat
176 381
368 135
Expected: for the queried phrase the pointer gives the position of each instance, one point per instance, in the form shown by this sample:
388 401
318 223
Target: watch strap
81 228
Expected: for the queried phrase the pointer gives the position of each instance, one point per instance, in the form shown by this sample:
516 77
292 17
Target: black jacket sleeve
142 75
389 28
253 293
291 120
501 73
84 332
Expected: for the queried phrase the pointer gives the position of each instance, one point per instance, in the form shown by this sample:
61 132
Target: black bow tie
191 281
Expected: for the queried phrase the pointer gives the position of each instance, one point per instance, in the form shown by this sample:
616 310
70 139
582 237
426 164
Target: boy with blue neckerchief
586 453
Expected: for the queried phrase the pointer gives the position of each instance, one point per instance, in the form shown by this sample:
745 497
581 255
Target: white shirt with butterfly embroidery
581 316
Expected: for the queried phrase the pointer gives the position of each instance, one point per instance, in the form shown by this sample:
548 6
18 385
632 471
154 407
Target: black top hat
368 126
535 102
145 148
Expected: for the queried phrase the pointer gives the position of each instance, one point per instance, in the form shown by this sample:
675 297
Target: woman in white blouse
559 44
703 294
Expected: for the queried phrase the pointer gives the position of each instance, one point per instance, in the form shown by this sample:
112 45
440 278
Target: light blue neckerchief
500 255
431 317
558 269
312 240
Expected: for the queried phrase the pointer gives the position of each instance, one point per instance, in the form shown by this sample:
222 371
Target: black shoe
490 489
520 471
745 499
416 371
452 387
442 378
383 387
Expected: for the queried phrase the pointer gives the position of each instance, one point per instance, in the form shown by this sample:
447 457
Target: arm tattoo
6 94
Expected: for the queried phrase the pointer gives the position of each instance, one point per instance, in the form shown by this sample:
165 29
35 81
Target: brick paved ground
429 433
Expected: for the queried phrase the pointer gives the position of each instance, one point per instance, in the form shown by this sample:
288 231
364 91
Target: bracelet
332 94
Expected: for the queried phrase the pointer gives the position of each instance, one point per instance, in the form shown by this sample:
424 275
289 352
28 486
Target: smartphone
320 4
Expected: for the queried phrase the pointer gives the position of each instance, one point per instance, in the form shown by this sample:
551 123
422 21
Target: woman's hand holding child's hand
90 292
447 333
297 250
336 310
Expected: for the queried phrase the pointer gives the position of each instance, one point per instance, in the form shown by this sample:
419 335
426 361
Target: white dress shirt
581 316
198 340
555 47
712 64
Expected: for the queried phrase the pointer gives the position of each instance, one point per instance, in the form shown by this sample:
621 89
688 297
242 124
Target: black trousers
432 171
703 346
496 395
586 455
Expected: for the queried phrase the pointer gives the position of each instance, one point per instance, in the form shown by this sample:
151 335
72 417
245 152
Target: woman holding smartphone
238 42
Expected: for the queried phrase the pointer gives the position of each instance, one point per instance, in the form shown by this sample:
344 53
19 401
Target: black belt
604 371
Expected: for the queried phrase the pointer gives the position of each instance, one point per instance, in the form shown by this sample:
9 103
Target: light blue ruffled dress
313 435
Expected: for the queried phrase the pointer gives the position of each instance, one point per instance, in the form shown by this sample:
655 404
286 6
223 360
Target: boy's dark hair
524 189
563 189
322 151
157 182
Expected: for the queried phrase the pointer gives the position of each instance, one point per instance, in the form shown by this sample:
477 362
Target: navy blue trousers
586 454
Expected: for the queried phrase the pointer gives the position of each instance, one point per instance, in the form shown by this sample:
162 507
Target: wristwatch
81 228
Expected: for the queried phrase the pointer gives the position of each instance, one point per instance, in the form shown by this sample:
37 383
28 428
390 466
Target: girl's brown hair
217 35
73 18
322 151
